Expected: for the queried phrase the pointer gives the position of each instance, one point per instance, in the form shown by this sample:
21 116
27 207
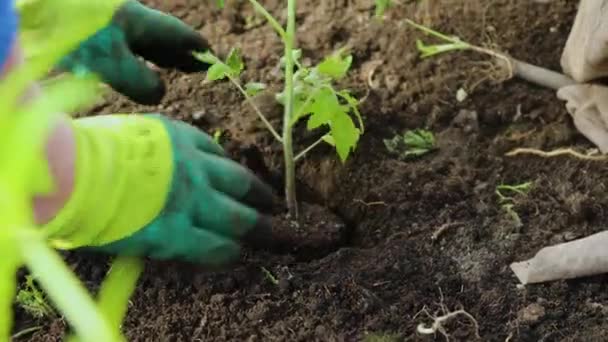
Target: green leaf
382 6
253 88
219 3
49 29
217 72
335 66
329 139
235 63
324 107
354 106
344 134
419 138
432 50
411 144
206 57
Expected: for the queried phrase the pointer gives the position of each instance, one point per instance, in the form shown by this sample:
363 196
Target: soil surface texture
386 244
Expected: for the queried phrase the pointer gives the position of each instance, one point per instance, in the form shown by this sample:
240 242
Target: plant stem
64 289
271 20
290 175
26 332
256 109
308 149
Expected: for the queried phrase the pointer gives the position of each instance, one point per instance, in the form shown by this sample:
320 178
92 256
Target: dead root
443 228
438 321
556 153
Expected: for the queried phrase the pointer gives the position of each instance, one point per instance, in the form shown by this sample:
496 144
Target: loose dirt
369 266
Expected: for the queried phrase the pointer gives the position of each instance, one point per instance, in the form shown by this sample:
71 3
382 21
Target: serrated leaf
335 66
217 72
344 134
253 88
324 107
235 62
354 106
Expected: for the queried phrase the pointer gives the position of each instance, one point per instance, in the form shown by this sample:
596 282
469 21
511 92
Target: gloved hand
146 185
588 106
585 55
137 30
585 58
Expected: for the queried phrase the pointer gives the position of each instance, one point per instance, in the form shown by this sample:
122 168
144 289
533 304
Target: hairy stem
271 20
256 109
290 174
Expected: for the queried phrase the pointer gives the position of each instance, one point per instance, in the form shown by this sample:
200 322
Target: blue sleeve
8 28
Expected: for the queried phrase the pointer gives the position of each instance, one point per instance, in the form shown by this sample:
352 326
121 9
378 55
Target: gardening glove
146 185
588 106
585 56
138 30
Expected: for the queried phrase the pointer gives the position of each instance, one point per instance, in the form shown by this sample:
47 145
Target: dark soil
375 267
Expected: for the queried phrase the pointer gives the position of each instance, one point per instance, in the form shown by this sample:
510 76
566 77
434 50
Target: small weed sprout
412 144
271 278
453 43
382 6
507 202
308 94
33 301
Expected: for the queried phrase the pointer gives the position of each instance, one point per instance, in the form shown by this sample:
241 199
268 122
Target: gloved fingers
236 181
107 55
199 246
183 242
201 140
585 55
574 95
161 38
588 106
224 216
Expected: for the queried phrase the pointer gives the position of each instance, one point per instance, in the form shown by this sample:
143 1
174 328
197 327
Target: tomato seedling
308 94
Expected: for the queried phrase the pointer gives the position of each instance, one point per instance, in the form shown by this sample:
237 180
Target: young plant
511 66
507 202
308 94
412 144
268 275
34 301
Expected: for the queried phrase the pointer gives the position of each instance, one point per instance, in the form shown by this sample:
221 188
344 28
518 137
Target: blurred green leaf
336 65
254 88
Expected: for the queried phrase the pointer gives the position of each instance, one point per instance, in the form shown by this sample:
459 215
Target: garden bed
371 260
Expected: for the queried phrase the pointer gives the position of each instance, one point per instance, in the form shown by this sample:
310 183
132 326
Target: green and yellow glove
146 185
137 30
